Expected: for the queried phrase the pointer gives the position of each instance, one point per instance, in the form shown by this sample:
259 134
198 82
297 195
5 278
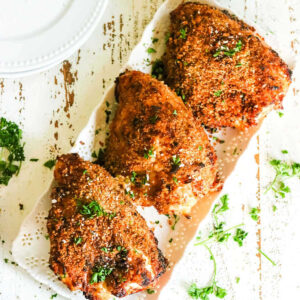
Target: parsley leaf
77 240
150 291
151 50
149 153
182 33
133 176
240 235
50 163
153 119
280 114
218 93
220 208
176 160
283 171
158 69
254 213
154 40
167 36
176 220
203 293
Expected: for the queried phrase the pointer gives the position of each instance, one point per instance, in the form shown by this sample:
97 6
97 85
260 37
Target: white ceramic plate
37 34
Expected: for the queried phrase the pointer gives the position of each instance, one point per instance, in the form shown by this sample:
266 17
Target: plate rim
43 62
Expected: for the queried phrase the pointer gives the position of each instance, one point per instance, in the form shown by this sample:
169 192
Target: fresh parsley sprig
11 150
213 288
283 171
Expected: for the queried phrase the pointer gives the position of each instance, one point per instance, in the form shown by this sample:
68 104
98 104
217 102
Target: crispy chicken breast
154 144
99 242
222 68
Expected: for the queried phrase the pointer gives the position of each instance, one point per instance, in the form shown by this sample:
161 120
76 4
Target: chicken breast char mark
222 68
154 144
100 244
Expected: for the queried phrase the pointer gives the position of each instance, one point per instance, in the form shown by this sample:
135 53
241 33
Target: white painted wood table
52 110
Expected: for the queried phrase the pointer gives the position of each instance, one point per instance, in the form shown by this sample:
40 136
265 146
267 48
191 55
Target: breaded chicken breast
166 160
100 244
222 68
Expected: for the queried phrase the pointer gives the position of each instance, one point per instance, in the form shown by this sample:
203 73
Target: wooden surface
52 108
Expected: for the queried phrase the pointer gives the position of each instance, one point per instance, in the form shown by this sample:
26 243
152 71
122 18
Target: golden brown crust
118 240
225 71
154 143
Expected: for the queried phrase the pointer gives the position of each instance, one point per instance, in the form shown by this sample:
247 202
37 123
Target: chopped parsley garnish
176 160
99 157
254 213
175 112
151 50
100 274
133 176
221 207
280 114
170 240
53 296
176 220
229 52
274 208
149 153
200 148
145 179
175 180
153 119
175 163
12 150
130 193
182 33
97 131
158 69
283 171
92 210
77 240
217 235
213 288
154 40
121 249
218 93
34 159
50 163
104 249
167 36
150 291
237 279
84 172
238 64
240 235
267 257
284 152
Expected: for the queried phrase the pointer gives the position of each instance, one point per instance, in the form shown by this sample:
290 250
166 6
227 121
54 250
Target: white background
33 102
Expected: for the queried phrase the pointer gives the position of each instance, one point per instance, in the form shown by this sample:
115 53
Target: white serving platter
35 35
